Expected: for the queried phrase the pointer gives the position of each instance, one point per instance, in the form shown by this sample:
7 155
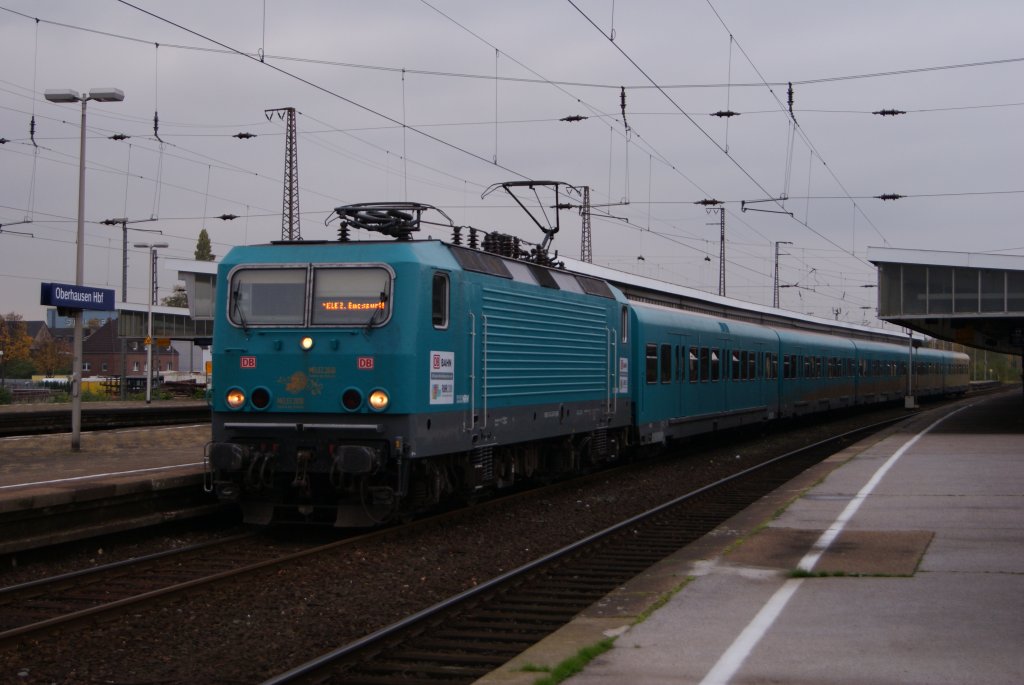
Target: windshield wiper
236 297
384 297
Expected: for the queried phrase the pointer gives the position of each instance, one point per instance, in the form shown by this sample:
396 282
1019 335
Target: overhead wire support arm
781 198
17 223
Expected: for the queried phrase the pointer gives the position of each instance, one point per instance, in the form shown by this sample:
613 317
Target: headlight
351 399
306 343
379 400
235 398
260 398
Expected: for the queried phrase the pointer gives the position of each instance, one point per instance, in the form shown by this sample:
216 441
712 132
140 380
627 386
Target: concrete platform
41 475
912 555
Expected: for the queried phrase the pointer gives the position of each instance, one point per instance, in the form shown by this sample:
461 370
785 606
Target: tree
14 342
52 357
178 298
14 338
203 253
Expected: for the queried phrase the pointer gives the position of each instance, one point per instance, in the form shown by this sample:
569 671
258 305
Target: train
361 382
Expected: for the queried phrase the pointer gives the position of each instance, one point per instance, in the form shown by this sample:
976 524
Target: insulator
574 117
473 243
343 232
708 203
456 235
243 136
889 196
889 112
725 113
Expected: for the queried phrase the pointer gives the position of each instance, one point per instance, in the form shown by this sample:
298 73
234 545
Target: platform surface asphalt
914 539
43 470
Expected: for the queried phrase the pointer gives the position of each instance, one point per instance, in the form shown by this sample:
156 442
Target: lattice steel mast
290 206
586 248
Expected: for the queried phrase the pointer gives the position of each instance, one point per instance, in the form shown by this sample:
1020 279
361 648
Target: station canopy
972 299
176 323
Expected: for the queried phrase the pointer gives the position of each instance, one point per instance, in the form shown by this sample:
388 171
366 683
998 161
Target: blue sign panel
66 296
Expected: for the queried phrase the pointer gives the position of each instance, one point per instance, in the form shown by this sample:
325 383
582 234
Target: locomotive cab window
351 296
439 301
270 296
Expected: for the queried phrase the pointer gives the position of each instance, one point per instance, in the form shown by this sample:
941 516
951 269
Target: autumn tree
203 248
14 338
52 357
14 342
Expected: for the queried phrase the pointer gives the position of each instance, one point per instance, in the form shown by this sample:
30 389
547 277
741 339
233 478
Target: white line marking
99 475
116 431
731 661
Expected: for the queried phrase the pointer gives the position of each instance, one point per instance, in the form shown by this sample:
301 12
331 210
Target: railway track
456 640
463 638
37 607
36 421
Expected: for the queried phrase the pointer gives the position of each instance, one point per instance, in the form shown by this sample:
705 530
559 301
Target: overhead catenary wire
653 215
262 56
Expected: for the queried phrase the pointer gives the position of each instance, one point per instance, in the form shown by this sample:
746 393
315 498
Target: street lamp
149 315
68 96
124 221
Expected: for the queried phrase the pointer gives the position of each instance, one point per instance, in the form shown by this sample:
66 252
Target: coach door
674 367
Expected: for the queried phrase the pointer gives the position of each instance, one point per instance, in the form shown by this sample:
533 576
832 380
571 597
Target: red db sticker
364 363
247 362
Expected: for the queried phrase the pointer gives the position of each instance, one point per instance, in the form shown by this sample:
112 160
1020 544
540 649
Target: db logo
247 362
436 361
364 363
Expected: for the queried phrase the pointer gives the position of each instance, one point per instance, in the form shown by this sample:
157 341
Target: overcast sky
482 87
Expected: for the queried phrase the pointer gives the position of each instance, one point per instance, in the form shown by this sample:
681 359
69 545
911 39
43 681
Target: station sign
76 297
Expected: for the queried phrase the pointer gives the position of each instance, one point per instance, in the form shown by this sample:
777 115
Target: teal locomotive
356 382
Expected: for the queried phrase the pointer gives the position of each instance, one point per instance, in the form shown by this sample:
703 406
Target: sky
434 102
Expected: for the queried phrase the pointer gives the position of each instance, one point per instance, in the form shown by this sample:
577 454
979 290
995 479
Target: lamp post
124 221
152 247
68 96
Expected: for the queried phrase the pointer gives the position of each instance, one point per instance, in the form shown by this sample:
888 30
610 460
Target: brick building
101 354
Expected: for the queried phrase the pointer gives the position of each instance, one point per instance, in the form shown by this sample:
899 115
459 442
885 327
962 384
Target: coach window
735 365
666 363
716 365
439 301
652 363
694 365
624 324
752 366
